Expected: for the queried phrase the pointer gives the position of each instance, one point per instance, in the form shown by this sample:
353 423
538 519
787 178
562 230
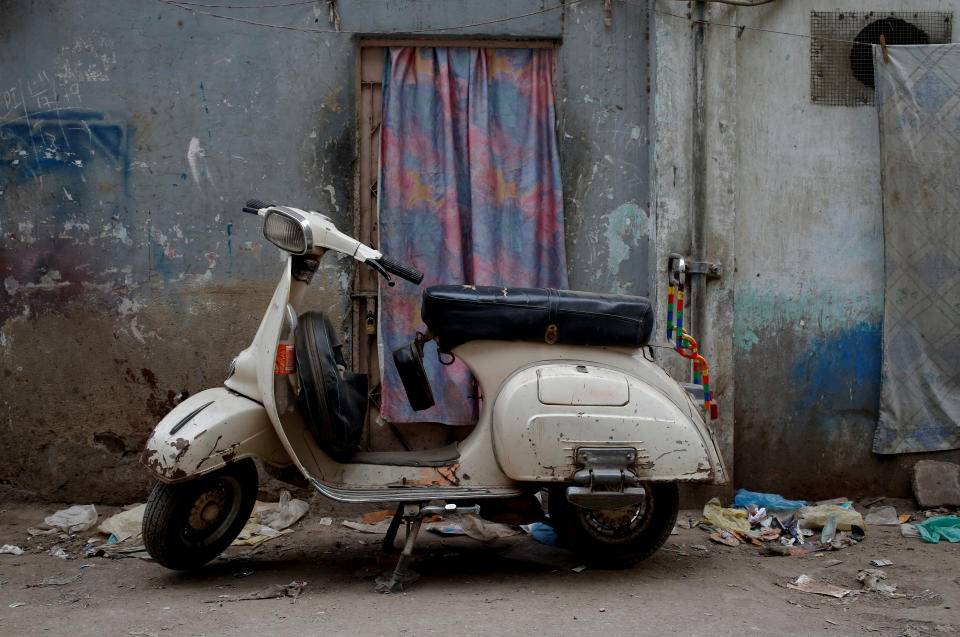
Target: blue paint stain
159 260
46 142
183 176
840 372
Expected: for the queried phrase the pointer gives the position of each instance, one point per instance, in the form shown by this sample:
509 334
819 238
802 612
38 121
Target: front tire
616 538
188 524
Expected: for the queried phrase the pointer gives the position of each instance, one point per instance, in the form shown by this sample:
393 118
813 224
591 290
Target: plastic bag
730 519
76 518
816 517
484 530
773 501
287 512
124 524
882 516
935 529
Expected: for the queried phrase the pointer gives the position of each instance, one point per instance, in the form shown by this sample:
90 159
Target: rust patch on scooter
436 476
182 445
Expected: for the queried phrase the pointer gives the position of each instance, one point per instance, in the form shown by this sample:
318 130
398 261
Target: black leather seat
460 313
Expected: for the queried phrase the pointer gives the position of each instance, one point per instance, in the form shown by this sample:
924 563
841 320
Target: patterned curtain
469 193
918 97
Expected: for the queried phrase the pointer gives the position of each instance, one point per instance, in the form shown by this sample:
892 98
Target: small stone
936 483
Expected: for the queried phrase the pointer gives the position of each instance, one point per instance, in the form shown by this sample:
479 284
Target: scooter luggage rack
412 515
684 344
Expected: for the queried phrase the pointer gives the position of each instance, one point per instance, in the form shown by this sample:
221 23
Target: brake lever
379 268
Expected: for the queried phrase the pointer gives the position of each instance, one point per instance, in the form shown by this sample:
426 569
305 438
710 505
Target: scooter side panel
208 430
535 441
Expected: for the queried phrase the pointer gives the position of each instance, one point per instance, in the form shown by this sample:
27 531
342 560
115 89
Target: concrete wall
605 85
794 214
130 135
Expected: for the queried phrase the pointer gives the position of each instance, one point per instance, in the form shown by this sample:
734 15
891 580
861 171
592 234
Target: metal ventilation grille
841 57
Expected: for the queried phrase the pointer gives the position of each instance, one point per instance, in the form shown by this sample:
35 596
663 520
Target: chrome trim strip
177 427
410 494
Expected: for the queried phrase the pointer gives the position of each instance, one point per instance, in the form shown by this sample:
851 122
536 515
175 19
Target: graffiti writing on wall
38 93
51 141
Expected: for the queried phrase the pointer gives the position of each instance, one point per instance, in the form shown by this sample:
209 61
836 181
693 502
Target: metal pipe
698 176
739 3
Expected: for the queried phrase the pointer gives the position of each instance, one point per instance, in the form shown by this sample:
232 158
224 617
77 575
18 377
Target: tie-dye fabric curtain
469 193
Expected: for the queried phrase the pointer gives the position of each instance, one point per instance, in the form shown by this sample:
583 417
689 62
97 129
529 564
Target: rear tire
616 538
188 524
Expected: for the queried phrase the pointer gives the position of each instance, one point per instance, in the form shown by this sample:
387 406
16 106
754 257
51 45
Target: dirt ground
511 586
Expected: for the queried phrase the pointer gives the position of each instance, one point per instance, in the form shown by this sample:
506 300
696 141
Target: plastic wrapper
731 519
771 501
815 517
285 514
882 516
485 530
936 529
76 518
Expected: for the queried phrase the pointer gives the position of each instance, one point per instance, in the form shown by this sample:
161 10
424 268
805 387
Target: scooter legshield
209 430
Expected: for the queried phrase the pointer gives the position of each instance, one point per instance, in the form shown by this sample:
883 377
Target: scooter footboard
208 430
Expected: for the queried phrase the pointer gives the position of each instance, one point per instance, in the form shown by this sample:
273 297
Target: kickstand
394 582
412 515
390 538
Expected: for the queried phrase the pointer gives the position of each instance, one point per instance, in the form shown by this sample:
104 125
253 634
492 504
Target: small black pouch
409 362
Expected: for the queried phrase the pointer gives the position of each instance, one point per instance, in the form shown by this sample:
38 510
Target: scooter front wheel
188 524
616 538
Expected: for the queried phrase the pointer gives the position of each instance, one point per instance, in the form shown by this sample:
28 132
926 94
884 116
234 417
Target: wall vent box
841 57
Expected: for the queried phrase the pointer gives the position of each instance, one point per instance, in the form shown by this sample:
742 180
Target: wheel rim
212 511
616 526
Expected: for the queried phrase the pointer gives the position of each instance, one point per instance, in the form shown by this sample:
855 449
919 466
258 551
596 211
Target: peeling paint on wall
627 243
762 313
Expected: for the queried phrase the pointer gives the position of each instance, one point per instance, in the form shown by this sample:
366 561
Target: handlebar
385 265
254 206
323 233
403 271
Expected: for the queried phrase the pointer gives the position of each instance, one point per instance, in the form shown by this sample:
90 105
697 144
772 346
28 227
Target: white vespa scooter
572 404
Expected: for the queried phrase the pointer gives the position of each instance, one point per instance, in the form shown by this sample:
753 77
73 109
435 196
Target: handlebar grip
403 271
254 205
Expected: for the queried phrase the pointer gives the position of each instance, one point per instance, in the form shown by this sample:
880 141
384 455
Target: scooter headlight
288 230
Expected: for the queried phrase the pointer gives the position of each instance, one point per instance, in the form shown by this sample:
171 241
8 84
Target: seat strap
552 334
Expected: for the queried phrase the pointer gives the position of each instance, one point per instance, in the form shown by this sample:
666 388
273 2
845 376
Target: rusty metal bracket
710 269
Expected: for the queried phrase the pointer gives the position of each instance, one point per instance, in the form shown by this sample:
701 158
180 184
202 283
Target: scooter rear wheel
188 524
616 538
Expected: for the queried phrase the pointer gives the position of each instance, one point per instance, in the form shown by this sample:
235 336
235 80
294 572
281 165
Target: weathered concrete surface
936 483
809 272
793 214
672 187
130 135
604 95
510 586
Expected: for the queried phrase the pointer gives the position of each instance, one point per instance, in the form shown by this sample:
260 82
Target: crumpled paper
125 524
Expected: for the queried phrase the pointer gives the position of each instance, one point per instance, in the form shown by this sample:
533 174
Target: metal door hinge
712 270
